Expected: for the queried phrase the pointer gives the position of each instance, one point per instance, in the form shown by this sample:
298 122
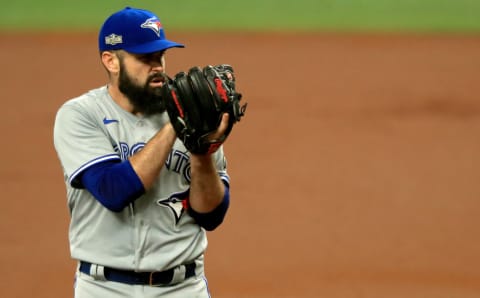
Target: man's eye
147 58
144 58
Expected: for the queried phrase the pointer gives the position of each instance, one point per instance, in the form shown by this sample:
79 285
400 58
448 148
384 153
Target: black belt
139 278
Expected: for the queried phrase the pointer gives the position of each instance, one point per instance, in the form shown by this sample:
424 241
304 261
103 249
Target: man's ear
111 61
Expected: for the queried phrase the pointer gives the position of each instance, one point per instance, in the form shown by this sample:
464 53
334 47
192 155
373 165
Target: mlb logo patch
113 39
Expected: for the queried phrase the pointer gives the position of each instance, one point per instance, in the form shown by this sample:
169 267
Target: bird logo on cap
153 24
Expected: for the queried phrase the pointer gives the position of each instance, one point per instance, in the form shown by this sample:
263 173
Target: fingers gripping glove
195 102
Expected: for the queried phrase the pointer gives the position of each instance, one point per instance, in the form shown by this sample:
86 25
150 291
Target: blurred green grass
252 15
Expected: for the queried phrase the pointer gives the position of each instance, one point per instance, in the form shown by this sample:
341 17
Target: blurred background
354 173
253 15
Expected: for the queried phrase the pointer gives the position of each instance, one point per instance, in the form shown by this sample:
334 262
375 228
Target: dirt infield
355 172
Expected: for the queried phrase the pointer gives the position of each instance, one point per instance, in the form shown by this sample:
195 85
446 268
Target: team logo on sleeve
177 203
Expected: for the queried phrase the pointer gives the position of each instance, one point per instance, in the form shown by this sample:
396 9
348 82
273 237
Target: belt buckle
150 278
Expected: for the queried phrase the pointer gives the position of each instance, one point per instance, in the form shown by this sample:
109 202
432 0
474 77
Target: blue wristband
211 220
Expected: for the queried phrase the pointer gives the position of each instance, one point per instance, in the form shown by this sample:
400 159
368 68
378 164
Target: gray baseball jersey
153 233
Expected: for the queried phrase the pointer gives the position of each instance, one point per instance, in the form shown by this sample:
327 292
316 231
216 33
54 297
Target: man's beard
145 100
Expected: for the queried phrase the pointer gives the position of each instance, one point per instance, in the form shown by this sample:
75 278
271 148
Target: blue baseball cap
134 30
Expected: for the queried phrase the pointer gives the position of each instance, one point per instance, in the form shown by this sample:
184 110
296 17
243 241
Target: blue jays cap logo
153 24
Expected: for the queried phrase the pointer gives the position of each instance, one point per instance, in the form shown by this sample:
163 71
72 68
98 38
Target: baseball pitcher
144 166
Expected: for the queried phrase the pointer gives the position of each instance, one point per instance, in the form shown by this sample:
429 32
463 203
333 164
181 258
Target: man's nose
157 66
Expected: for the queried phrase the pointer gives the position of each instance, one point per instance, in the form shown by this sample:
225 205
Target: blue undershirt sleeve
113 184
211 220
